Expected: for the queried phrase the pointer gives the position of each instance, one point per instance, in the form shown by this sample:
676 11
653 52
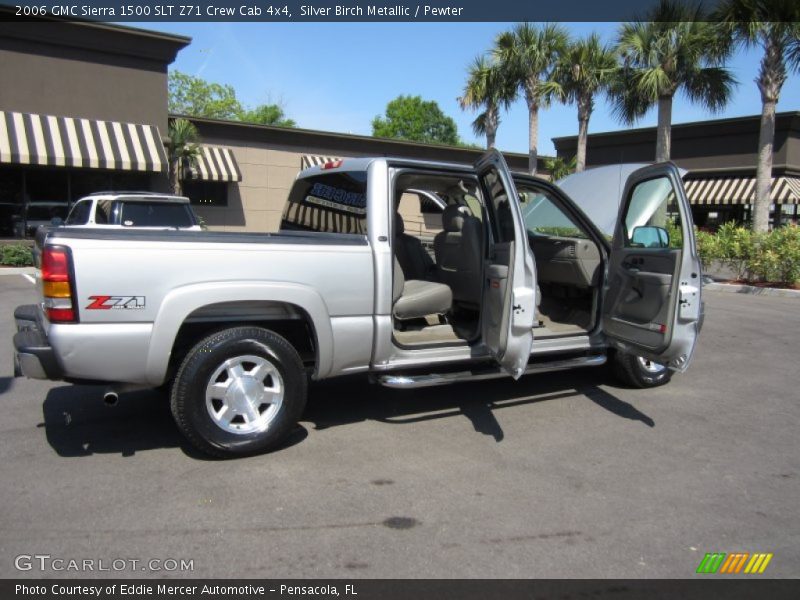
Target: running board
431 379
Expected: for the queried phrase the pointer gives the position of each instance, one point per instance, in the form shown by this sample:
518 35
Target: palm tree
560 167
528 54
774 25
183 150
488 89
675 50
586 68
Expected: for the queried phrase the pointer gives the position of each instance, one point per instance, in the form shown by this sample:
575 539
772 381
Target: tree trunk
664 132
764 169
533 137
585 105
491 134
583 132
492 120
175 177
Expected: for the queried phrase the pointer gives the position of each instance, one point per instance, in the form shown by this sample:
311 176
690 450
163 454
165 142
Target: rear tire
640 372
238 392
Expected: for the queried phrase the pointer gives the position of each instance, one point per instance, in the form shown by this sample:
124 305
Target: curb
738 288
18 271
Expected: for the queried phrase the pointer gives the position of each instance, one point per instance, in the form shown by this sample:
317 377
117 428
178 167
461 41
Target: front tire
238 392
640 372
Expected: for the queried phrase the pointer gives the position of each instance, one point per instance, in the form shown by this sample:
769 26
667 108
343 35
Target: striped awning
741 190
30 139
311 160
215 164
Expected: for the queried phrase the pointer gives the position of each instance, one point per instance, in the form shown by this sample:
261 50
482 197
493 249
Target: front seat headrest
453 217
399 226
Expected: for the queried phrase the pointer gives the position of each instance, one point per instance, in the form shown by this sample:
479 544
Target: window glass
503 221
79 215
102 213
131 182
544 217
652 218
155 214
44 185
418 214
330 203
11 201
85 182
206 193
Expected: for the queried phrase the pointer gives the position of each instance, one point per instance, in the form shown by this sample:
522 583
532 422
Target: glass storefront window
11 201
206 193
83 183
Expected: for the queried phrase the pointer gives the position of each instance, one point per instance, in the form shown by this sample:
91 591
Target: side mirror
650 237
56 221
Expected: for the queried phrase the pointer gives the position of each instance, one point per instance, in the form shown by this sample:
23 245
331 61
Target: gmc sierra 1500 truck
415 273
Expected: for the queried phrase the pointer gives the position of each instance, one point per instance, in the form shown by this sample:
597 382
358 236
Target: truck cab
506 274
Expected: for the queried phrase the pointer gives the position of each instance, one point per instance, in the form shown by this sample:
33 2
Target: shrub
735 246
776 256
675 233
16 255
708 247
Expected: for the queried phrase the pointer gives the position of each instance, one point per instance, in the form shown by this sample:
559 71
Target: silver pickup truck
415 273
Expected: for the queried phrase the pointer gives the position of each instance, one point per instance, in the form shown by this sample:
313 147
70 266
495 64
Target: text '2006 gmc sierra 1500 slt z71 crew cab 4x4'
491 274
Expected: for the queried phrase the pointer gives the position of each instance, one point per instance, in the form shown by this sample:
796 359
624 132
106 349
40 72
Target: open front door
509 305
652 301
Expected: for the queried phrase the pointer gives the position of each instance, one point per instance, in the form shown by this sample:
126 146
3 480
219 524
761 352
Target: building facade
83 108
720 157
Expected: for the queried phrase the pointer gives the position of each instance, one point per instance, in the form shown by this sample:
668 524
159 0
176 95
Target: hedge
16 255
772 257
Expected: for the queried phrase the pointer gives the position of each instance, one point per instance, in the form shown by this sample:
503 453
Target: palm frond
711 87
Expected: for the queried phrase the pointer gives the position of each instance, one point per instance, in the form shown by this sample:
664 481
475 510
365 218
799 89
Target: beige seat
414 298
459 254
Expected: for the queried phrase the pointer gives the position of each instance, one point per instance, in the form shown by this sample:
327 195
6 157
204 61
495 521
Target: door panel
509 305
652 269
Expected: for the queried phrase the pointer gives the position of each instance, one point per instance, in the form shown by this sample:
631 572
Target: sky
339 76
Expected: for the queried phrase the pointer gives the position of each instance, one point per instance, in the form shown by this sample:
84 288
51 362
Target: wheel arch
191 311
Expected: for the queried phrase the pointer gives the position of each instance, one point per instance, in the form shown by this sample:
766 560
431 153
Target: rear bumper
33 355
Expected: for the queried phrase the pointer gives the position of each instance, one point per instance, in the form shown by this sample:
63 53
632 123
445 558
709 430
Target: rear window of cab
328 203
155 214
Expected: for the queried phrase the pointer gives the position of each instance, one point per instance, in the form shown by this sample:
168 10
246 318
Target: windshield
79 215
543 217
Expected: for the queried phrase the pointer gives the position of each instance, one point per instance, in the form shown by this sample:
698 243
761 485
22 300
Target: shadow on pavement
77 422
351 400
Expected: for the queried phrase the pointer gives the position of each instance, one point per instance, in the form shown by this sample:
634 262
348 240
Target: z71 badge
116 302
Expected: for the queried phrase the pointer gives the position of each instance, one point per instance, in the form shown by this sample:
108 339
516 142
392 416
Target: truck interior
568 264
439 243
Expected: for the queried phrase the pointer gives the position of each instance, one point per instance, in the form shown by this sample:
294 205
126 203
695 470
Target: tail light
57 286
332 164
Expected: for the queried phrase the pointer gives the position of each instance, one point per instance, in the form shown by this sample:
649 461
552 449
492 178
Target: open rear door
509 305
652 302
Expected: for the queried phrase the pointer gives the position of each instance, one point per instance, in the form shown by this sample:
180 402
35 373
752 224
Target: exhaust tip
110 398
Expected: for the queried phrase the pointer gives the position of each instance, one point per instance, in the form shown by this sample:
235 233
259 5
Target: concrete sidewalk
18 271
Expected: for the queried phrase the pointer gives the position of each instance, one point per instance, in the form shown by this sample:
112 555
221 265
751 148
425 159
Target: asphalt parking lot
560 475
